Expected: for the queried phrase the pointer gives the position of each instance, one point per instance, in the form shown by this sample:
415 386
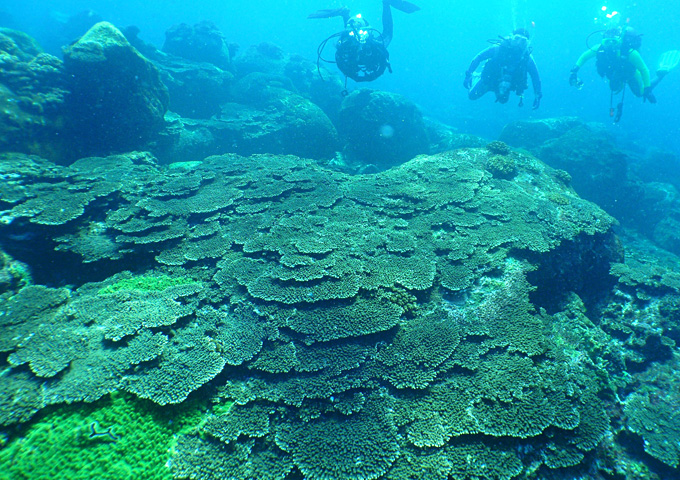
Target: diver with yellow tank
619 61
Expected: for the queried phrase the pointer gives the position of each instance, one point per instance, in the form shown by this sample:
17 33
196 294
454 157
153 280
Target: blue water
430 51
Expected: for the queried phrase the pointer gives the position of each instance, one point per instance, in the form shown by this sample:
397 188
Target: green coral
403 298
499 148
558 198
563 176
145 283
118 437
502 166
333 321
420 346
277 359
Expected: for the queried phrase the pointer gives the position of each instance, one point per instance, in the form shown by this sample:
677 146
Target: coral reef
501 166
652 413
639 190
498 147
369 326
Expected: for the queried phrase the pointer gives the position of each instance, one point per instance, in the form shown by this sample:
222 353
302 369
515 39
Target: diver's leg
636 84
387 24
330 13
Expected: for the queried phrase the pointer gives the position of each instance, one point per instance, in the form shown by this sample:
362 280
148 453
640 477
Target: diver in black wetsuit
361 51
508 61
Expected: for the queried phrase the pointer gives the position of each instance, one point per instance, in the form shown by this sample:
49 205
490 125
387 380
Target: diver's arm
535 81
535 77
635 58
585 56
481 56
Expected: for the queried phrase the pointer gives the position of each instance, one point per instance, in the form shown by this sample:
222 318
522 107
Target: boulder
196 89
657 165
317 84
262 89
667 234
288 124
202 42
117 99
380 128
532 133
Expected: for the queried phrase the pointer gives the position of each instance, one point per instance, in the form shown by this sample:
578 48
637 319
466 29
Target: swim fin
403 5
330 13
668 61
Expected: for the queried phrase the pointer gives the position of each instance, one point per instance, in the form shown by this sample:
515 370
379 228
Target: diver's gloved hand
648 96
467 83
537 101
573 78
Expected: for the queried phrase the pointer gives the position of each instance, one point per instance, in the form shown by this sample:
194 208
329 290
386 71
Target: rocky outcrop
117 100
33 89
442 137
599 169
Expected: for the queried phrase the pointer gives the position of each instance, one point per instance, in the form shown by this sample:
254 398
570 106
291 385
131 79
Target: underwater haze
430 51
270 240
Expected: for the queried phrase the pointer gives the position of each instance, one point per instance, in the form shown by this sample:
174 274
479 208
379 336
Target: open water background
430 51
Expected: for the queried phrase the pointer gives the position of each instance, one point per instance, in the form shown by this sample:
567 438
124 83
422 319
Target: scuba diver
508 61
361 51
618 59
